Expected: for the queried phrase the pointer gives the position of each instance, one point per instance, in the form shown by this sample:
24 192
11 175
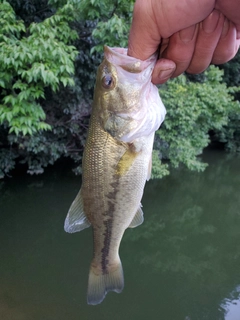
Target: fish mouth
119 57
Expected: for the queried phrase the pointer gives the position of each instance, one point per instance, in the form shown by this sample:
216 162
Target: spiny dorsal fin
76 219
138 218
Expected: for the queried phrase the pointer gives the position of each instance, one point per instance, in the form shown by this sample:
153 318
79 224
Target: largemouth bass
127 110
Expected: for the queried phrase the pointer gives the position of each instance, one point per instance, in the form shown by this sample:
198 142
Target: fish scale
116 164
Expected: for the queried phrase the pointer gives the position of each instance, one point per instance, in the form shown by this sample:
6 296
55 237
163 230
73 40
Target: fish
117 161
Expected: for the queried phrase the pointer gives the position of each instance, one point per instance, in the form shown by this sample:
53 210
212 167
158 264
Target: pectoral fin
126 161
76 219
138 219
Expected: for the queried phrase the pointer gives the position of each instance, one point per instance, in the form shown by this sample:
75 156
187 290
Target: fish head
123 92
119 82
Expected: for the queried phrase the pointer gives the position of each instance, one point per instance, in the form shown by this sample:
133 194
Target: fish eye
108 82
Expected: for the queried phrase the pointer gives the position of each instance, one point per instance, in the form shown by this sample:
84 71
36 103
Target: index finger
154 19
143 28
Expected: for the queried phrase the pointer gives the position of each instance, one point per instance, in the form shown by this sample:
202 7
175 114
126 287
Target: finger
163 46
209 33
231 10
228 44
156 19
163 71
144 37
180 48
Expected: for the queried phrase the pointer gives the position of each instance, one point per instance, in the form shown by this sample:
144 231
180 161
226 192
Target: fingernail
210 23
225 27
187 34
165 74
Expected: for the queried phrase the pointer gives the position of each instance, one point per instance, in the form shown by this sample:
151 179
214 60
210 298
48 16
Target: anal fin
76 219
138 218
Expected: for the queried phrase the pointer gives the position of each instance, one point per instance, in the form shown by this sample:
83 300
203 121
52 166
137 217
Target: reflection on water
232 305
181 264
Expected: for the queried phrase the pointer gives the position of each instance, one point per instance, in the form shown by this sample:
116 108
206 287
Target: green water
183 263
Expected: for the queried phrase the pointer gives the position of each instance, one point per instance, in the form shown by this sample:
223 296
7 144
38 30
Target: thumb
163 71
144 37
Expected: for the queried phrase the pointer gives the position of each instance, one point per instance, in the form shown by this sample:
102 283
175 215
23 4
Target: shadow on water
181 264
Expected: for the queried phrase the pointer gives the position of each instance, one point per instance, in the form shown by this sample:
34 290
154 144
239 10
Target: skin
189 34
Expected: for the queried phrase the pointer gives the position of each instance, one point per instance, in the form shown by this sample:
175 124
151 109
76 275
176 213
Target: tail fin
100 284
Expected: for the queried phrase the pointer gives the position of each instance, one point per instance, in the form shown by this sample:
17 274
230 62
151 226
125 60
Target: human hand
189 34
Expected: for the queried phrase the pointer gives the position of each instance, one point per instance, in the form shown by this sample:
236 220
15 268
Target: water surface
183 263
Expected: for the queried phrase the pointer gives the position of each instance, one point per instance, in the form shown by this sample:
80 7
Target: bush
193 109
49 52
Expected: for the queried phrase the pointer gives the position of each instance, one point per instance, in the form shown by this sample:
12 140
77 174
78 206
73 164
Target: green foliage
37 151
31 10
193 109
49 53
66 110
113 19
159 169
232 71
7 161
230 134
31 59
